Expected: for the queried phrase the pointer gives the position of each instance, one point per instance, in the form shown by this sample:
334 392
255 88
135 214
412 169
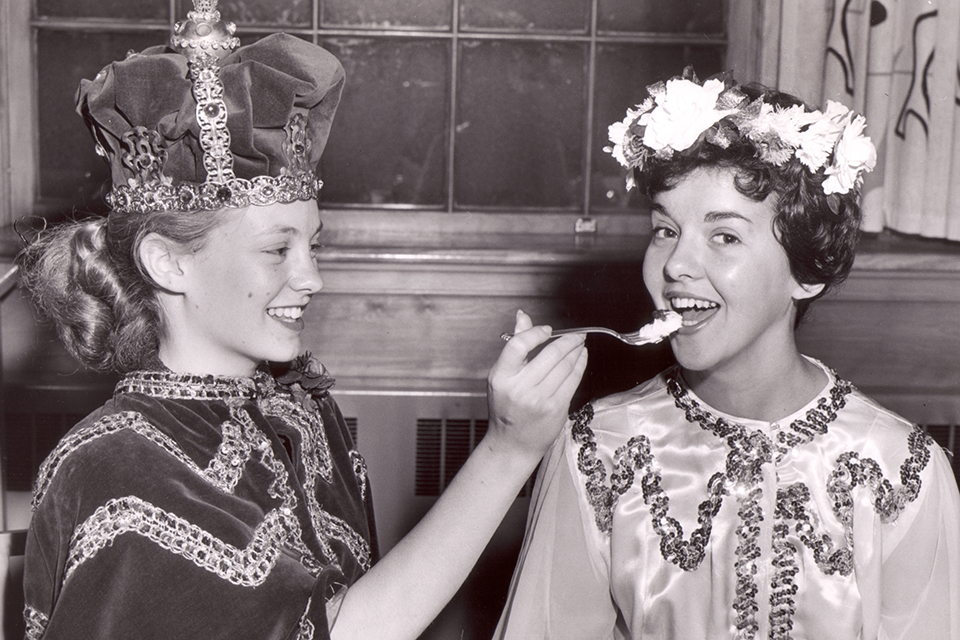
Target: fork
630 338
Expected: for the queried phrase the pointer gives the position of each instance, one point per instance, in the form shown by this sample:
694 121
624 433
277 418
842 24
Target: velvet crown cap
201 126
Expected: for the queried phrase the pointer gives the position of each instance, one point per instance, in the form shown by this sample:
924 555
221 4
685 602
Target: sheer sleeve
913 591
560 588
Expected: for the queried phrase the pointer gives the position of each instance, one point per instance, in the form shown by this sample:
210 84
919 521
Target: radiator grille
443 445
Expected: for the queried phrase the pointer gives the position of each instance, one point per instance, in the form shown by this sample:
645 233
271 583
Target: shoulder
620 412
875 426
114 447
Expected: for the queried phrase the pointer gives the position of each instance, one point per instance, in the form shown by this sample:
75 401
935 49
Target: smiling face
245 291
714 259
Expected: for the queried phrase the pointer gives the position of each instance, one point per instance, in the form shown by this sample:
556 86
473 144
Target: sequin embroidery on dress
749 452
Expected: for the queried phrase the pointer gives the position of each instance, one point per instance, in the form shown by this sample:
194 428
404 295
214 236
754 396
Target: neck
182 351
769 392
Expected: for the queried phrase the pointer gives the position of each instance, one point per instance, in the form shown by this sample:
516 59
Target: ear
164 261
805 291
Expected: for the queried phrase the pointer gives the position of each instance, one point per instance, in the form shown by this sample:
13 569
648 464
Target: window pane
519 125
283 13
623 73
386 14
526 15
389 139
668 16
141 10
69 167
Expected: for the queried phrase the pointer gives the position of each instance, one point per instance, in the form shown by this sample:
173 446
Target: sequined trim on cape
36 623
742 476
247 567
306 628
317 463
274 401
240 444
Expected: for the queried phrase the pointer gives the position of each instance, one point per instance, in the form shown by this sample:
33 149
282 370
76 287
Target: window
496 106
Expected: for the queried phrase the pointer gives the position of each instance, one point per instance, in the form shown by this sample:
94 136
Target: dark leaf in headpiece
747 113
656 88
722 134
694 148
833 201
690 74
730 98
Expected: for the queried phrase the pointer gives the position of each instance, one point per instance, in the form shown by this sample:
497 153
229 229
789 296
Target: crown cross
203 33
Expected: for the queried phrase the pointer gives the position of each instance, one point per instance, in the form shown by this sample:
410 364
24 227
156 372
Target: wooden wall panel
421 321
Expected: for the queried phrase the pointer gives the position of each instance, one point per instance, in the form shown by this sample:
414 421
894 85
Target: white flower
853 154
776 132
818 140
684 110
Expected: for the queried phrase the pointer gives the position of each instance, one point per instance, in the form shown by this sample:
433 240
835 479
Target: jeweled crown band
208 196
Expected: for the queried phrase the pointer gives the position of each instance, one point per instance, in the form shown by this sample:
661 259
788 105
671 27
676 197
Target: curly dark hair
87 278
818 232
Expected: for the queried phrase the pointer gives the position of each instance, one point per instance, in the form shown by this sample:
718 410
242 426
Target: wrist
508 457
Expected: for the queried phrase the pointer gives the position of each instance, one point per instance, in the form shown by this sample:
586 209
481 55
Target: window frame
19 178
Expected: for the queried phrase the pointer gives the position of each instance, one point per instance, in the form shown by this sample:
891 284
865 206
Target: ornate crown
682 113
207 124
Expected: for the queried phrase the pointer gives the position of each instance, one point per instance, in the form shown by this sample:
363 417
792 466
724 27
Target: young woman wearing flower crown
748 491
207 498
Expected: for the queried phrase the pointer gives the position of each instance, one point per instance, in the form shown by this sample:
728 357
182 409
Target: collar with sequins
815 421
188 386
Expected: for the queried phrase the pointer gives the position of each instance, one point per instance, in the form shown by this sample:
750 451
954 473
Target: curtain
898 63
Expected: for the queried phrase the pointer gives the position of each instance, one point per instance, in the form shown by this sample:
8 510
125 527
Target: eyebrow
716 216
290 231
712 216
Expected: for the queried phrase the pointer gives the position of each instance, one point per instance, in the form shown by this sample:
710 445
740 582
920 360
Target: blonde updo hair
86 276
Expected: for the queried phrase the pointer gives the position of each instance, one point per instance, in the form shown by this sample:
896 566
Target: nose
306 278
683 261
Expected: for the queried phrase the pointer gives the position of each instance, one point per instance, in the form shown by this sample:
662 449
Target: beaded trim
247 567
212 117
889 501
316 450
36 623
783 585
224 470
816 420
306 628
850 472
115 423
280 488
234 193
317 462
749 452
185 386
360 470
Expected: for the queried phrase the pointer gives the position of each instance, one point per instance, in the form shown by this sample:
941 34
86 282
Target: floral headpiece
681 112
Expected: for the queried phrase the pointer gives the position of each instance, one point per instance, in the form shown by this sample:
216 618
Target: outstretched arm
528 400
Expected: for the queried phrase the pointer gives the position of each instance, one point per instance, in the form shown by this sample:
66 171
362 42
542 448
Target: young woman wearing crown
207 498
747 492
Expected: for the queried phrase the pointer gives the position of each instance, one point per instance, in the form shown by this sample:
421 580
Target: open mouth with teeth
693 310
286 314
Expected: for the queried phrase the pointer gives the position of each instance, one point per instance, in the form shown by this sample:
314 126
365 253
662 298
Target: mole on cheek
250 295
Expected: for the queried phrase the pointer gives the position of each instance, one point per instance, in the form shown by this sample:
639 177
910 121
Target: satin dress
199 507
656 516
